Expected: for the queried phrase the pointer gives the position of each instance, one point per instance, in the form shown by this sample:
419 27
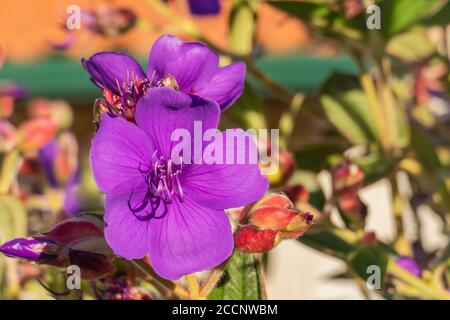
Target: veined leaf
242 280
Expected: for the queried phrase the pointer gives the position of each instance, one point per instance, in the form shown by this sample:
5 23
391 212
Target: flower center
168 81
162 178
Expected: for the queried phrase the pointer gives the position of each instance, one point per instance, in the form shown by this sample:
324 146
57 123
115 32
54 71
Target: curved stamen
163 182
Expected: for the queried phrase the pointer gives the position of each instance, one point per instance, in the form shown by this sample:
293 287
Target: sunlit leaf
241 281
347 107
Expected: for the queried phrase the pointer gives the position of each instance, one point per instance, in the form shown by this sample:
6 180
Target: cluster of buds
347 180
76 241
271 219
46 118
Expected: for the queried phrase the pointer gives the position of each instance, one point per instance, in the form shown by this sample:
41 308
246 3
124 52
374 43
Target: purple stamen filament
163 183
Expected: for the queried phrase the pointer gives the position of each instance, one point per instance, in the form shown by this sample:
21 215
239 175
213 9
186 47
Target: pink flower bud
59 111
249 239
275 200
34 134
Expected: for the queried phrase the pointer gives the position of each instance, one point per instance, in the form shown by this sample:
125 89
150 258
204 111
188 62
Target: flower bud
276 212
297 193
34 134
33 249
249 239
59 159
6 106
78 240
347 180
275 200
346 174
59 111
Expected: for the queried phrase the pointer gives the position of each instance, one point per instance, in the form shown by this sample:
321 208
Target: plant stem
172 286
211 282
10 166
194 288
417 283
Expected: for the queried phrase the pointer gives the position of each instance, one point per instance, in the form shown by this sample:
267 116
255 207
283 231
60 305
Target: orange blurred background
28 26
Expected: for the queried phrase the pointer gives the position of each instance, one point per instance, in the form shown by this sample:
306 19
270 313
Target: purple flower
189 67
173 212
204 7
410 265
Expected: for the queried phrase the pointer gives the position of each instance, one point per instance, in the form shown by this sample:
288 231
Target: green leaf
375 166
321 15
441 17
246 111
399 15
368 256
242 280
347 108
13 218
327 242
13 224
405 45
242 26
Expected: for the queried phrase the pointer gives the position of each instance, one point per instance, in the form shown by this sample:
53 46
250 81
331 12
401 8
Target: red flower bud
34 134
276 212
276 218
297 193
346 174
249 239
6 106
59 111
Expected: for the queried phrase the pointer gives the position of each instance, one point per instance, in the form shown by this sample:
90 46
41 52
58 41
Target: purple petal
118 151
189 239
72 203
223 186
410 265
112 69
192 64
47 156
226 85
164 110
204 7
125 232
